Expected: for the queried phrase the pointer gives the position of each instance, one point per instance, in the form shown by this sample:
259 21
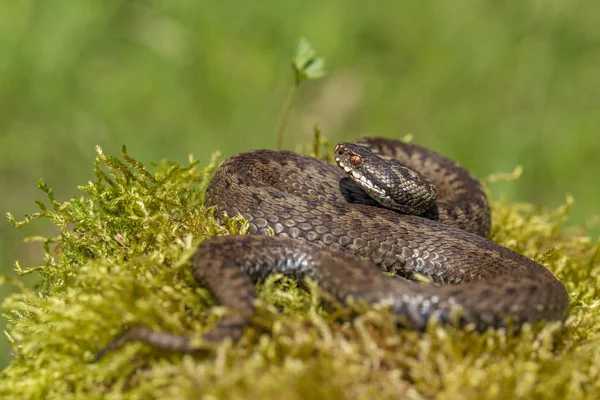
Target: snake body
329 229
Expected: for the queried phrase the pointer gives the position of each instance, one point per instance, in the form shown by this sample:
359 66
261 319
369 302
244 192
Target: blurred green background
491 83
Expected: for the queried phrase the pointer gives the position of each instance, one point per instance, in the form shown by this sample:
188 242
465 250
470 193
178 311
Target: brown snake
328 228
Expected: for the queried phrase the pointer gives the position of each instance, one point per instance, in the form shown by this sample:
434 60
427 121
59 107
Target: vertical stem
317 142
285 115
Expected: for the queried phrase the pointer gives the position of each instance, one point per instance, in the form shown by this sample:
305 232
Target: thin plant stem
286 114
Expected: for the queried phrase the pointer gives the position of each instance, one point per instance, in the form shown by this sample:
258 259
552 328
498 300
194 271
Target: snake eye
356 160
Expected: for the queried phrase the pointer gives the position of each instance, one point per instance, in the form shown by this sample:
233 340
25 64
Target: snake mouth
362 181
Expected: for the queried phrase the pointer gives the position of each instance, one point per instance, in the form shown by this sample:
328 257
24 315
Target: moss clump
122 257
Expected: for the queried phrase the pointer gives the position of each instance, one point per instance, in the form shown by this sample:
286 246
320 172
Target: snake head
388 182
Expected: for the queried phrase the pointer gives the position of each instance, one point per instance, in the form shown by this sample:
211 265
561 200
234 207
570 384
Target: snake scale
330 224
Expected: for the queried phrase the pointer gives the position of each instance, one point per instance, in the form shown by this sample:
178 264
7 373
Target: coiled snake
330 224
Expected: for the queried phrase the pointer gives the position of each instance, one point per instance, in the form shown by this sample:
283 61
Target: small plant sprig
307 66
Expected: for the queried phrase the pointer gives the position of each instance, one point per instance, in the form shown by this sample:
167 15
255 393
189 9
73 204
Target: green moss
122 257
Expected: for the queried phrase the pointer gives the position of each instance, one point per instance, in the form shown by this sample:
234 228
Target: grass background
491 84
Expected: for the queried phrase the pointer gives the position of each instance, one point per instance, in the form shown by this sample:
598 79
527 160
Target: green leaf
306 63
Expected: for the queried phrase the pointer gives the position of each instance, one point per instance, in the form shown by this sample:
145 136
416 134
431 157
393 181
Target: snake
393 222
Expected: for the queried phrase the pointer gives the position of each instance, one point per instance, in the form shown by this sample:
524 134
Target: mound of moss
122 258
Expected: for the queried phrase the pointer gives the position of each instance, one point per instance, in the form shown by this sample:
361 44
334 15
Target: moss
122 257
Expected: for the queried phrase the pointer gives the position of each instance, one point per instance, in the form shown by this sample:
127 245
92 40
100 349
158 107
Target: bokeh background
493 84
